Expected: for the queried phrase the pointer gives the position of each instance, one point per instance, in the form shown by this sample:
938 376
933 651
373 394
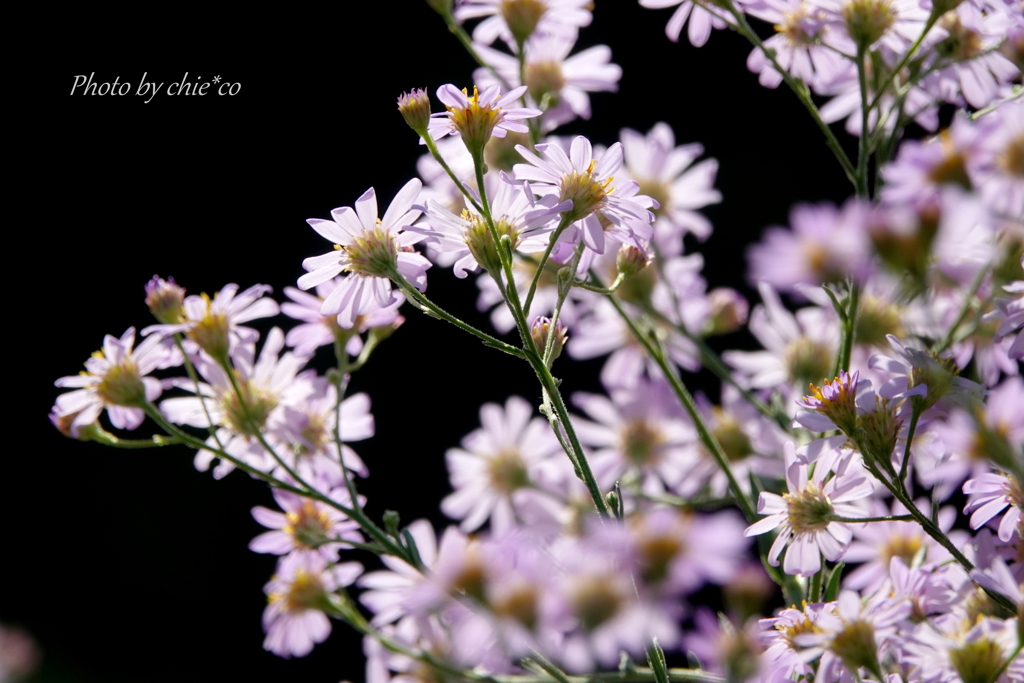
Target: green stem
562 225
814 590
440 313
905 463
932 18
390 546
798 87
436 153
965 310
933 530
190 369
467 42
705 434
862 143
883 518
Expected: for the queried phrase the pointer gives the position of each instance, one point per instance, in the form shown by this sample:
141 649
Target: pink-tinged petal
401 204
987 512
765 525
780 542
273 542
269 518
803 558
329 230
366 208
581 153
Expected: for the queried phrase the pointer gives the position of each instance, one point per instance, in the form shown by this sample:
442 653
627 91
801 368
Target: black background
132 566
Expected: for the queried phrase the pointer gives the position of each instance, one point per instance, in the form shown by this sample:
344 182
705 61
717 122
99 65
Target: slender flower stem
367 525
862 144
849 323
156 441
883 518
713 362
965 310
456 29
562 225
814 590
583 470
933 530
436 153
705 434
798 87
932 18
190 369
438 312
914 416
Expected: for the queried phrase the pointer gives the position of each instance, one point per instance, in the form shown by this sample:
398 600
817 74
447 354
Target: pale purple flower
496 470
587 182
115 380
723 648
465 239
854 635
991 494
307 428
478 116
387 592
512 19
305 524
319 330
297 594
877 543
920 168
215 325
997 169
799 349
702 19
665 174
268 384
640 432
1010 314
798 45
554 80
372 250
973 66
805 514
916 373
825 245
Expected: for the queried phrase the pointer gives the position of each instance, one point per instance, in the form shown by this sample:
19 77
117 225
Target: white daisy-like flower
804 516
373 250
587 182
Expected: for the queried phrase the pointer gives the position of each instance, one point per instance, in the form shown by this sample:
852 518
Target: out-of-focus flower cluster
880 424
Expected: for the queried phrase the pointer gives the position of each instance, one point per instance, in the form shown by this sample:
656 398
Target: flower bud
728 311
868 20
631 260
522 17
540 330
414 107
165 300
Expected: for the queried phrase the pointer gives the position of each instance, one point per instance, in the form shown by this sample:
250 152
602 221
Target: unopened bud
391 522
868 20
522 17
541 329
630 260
414 106
728 311
165 300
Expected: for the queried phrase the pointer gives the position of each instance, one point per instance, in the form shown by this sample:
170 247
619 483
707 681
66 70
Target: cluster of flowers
599 526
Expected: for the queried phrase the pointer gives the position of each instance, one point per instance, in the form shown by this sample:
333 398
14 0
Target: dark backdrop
132 566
